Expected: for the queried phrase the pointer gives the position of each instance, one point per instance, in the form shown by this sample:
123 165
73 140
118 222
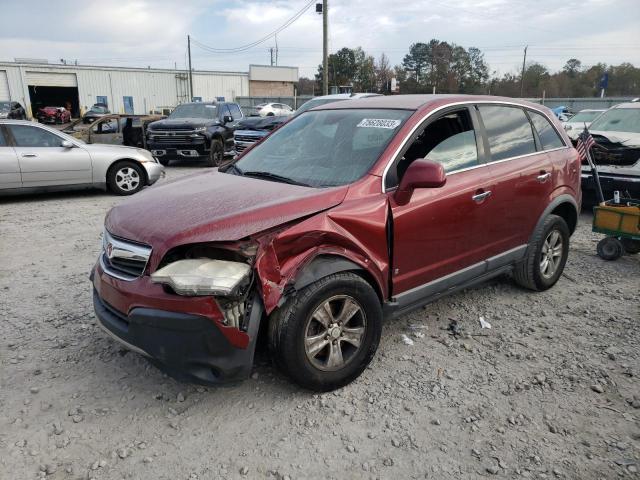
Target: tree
572 67
306 86
384 74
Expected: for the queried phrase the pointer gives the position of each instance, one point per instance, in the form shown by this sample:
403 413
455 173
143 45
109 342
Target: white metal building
123 89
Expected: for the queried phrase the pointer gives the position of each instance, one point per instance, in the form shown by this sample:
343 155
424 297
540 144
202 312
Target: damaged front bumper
191 346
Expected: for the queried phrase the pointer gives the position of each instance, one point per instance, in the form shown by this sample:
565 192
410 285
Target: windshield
195 110
5 106
584 117
618 120
325 148
98 109
314 103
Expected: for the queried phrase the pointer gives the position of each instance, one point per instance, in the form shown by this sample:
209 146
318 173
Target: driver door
107 130
44 162
439 235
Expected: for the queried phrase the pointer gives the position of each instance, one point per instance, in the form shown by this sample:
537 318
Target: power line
259 41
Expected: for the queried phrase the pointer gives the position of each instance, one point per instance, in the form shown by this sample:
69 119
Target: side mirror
420 174
66 144
227 119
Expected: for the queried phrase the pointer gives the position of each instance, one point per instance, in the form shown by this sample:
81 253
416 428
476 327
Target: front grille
241 148
123 259
170 136
246 138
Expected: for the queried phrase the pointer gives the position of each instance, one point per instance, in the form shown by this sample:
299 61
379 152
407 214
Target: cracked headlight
203 276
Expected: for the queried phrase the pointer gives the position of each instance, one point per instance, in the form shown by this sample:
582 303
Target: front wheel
327 333
125 178
546 255
610 248
216 153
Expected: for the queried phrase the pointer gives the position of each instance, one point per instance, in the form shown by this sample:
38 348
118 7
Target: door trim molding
423 294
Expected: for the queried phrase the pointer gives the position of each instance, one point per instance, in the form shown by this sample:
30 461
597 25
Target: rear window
508 130
547 134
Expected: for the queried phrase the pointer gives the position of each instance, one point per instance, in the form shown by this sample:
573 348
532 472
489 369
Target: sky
141 33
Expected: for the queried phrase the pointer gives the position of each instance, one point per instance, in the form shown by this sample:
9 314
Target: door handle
543 177
480 197
29 155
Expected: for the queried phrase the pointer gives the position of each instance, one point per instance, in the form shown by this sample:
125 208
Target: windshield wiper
233 168
275 177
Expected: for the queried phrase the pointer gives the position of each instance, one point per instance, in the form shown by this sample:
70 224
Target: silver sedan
34 157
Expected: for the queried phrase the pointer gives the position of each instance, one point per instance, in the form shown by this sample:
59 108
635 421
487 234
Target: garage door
4 86
48 79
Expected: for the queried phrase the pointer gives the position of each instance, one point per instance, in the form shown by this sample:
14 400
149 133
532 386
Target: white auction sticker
379 123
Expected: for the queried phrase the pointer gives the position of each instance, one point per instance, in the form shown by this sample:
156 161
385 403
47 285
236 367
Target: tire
164 161
271 114
300 318
126 178
610 248
533 272
216 153
630 246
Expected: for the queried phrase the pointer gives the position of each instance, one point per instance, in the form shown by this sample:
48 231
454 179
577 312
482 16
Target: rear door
44 162
522 174
9 166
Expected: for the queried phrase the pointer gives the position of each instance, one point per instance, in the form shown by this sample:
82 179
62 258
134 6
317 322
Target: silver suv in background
34 157
616 152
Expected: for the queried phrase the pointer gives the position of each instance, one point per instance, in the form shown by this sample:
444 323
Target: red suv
348 214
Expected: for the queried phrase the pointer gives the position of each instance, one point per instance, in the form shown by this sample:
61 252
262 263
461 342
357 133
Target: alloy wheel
127 179
551 255
334 333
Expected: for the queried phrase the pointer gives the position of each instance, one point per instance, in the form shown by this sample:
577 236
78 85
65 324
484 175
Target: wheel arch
324 264
565 206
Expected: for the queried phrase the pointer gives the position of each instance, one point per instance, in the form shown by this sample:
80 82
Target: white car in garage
34 157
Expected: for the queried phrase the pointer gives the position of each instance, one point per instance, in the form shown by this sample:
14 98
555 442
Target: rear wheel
125 178
216 153
546 255
630 246
327 334
610 248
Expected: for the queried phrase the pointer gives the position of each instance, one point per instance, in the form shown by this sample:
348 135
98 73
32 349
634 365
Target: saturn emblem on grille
109 249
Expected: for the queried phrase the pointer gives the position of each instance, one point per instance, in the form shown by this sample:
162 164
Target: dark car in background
58 115
97 111
616 152
12 110
195 130
253 129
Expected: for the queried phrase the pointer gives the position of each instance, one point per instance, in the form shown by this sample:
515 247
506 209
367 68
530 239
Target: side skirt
454 282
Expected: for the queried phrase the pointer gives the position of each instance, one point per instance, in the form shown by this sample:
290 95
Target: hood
214 207
622 139
49 110
262 123
181 123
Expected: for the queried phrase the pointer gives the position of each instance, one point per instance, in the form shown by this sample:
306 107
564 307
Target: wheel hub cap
334 333
552 251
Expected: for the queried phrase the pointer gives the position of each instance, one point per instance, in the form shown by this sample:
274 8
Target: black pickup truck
195 130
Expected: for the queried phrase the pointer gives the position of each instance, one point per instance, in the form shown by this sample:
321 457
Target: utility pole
325 47
524 60
190 74
271 52
276 37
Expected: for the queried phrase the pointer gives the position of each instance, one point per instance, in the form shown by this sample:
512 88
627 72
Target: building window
128 105
102 99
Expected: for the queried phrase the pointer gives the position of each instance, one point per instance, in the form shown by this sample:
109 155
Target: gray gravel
550 391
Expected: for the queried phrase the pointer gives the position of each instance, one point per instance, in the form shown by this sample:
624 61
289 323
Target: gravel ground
550 391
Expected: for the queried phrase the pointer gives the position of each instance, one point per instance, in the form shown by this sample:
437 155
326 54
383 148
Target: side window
547 134
449 140
235 111
26 136
508 130
107 126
